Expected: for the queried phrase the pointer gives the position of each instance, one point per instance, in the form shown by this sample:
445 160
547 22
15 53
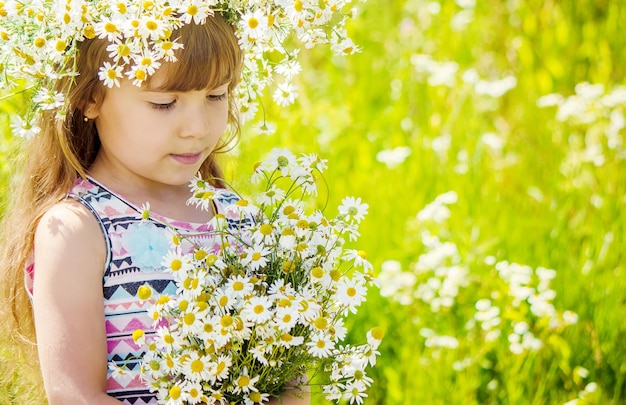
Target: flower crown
39 41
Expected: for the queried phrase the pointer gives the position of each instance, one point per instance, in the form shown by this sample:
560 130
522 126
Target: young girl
74 233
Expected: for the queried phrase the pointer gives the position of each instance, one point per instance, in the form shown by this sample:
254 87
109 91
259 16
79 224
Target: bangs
210 57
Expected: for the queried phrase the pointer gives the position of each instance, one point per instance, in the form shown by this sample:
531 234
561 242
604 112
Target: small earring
85 119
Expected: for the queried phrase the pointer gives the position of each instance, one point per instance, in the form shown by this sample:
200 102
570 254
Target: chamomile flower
271 196
286 318
256 397
353 208
177 263
108 29
193 393
288 340
256 256
285 94
257 310
239 286
244 383
350 293
196 367
221 368
196 11
354 393
320 345
359 257
253 24
110 74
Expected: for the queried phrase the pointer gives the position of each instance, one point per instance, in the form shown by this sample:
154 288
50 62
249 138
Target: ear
92 110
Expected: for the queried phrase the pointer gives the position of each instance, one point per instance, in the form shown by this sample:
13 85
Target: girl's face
157 137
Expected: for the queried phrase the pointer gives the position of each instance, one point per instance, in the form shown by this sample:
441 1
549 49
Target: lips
187 158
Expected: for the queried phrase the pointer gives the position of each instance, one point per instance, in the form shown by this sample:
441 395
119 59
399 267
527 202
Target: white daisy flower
221 368
350 293
353 208
257 310
320 345
359 257
196 367
244 383
239 286
110 74
192 392
286 318
285 94
256 257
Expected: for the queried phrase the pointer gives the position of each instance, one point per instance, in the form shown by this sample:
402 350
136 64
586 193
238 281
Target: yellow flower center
144 292
253 23
123 50
110 27
197 366
137 334
192 10
60 46
378 333
151 25
321 323
265 229
175 392
112 74
189 318
317 272
226 321
141 75
176 263
243 381
258 309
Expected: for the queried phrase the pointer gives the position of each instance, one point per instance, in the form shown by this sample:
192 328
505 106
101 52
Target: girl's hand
300 394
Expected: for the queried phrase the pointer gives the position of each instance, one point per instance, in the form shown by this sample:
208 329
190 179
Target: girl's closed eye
218 97
162 106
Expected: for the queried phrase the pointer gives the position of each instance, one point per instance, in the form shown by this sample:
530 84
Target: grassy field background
487 138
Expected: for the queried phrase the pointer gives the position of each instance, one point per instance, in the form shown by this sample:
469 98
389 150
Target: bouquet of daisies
266 305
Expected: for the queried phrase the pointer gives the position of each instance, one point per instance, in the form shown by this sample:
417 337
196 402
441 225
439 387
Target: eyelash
169 106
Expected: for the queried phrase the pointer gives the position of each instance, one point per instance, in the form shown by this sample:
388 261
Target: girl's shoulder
68 232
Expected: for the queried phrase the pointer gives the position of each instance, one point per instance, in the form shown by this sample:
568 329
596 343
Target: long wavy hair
64 150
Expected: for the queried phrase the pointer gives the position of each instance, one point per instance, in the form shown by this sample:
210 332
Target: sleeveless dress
135 248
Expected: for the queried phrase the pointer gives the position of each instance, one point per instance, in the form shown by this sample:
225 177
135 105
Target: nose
196 121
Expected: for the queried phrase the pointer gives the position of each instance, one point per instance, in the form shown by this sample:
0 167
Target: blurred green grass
533 199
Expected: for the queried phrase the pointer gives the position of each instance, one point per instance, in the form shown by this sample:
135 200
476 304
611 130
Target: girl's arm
68 306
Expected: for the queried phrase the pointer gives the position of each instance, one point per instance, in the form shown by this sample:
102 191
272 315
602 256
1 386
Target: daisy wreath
266 303
39 40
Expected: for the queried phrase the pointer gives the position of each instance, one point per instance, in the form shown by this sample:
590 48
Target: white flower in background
393 157
495 88
353 208
438 211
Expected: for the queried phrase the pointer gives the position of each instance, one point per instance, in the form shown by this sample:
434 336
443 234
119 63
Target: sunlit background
487 138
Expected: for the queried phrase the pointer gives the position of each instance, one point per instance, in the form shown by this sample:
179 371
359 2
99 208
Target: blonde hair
65 149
